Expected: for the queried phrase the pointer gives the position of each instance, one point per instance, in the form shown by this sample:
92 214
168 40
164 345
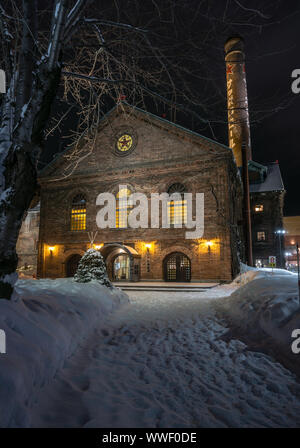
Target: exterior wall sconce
148 246
98 246
51 250
212 246
209 246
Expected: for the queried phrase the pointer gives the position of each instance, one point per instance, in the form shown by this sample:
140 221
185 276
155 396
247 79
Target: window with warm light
78 213
259 208
124 206
261 236
177 210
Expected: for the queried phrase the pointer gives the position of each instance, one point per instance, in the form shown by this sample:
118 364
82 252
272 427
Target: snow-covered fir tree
92 267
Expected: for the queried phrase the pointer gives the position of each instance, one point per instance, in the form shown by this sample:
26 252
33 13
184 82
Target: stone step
164 289
166 285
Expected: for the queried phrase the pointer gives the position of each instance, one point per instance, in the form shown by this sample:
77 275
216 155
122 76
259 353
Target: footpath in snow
162 360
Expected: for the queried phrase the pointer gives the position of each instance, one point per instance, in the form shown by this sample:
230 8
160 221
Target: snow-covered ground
164 360
266 305
44 323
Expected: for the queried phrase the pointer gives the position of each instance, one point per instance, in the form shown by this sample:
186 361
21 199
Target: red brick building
147 154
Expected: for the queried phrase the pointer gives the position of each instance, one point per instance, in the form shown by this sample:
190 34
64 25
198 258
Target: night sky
271 58
272 45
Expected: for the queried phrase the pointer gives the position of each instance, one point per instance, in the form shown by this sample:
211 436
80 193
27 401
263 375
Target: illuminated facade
147 155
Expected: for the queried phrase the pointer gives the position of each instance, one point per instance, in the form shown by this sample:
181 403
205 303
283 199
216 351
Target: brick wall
163 155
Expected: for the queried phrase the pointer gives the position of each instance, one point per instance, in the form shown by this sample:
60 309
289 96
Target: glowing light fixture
51 250
98 246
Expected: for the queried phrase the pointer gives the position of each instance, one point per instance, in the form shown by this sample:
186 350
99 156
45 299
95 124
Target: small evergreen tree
92 267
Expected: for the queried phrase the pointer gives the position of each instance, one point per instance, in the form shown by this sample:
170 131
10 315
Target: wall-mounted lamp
148 245
98 246
209 243
51 250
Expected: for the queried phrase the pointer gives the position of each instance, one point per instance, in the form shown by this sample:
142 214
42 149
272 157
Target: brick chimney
237 99
238 124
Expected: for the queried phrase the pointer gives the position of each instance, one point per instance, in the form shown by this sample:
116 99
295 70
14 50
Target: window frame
176 209
78 214
261 239
260 208
129 207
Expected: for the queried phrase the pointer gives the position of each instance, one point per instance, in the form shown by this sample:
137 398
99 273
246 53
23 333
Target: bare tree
33 75
150 52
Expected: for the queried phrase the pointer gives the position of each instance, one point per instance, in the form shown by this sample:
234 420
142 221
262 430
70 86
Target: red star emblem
124 142
229 69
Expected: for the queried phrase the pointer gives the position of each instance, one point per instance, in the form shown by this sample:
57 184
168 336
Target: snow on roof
272 182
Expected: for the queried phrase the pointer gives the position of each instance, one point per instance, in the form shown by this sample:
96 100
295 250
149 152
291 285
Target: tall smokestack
238 124
237 99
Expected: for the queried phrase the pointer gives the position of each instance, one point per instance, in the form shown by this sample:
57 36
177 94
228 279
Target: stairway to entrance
165 286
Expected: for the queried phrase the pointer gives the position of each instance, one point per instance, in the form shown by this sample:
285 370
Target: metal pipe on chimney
238 124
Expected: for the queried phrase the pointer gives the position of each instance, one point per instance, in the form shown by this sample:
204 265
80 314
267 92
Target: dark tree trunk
21 175
25 110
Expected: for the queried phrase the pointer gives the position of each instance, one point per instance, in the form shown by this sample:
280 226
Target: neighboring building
27 245
267 198
291 226
148 155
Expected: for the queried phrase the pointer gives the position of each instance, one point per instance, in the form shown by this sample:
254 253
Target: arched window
78 213
177 209
123 208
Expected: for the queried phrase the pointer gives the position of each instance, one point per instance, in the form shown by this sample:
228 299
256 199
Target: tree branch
115 24
57 32
141 86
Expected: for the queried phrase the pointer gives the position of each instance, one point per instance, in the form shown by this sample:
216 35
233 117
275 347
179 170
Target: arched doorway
177 268
72 265
122 262
121 268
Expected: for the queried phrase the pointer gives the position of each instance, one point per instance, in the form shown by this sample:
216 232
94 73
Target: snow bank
249 273
266 305
44 323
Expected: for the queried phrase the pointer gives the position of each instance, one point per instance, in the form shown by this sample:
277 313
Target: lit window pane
78 213
177 212
259 208
78 219
124 206
261 236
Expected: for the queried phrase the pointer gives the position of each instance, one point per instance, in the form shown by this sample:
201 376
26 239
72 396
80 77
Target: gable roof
119 108
170 123
272 181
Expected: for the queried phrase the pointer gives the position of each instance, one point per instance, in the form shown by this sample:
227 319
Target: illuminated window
259 208
261 236
78 213
177 210
124 206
